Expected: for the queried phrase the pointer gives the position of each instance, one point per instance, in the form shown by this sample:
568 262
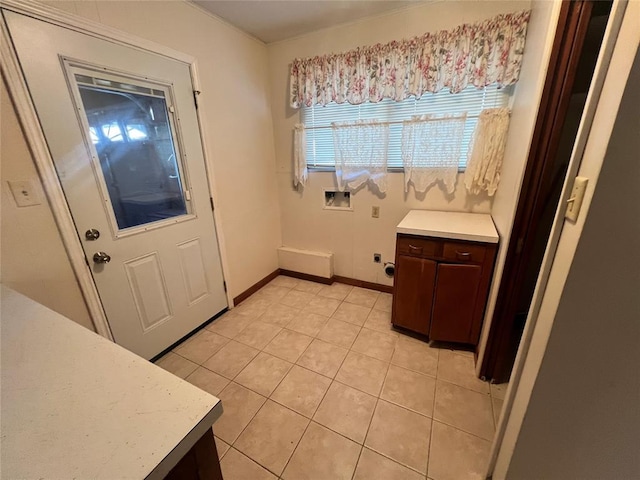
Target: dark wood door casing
538 178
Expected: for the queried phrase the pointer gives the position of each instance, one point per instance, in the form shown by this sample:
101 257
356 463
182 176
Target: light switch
24 193
575 199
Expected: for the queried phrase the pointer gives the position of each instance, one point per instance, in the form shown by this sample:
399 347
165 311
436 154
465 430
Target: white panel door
122 129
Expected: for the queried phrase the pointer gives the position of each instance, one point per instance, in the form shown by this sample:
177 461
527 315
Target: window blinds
317 119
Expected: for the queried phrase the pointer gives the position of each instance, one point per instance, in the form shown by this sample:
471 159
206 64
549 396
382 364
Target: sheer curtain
431 148
486 151
300 172
361 153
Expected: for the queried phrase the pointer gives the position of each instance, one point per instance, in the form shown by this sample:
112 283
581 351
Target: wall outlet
375 212
24 193
377 258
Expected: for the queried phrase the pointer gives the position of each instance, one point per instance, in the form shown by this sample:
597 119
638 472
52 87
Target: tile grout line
250 459
454 426
364 441
271 301
314 413
462 386
448 424
261 406
284 406
355 388
258 411
426 474
404 408
430 434
463 431
408 467
433 412
318 373
254 415
355 468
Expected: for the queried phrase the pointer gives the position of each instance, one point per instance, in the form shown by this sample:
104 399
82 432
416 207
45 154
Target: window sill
389 170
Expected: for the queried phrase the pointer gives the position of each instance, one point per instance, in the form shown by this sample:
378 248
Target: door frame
34 135
605 93
497 361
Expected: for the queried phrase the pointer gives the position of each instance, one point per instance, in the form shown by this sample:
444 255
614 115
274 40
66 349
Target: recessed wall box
335 200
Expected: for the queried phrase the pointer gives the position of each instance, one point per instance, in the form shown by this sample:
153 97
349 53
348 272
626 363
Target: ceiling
271 21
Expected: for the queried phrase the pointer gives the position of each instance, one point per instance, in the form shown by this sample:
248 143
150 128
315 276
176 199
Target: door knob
92 234
101 257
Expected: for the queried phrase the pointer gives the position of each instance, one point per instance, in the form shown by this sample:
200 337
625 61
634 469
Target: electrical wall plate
575 199
24 193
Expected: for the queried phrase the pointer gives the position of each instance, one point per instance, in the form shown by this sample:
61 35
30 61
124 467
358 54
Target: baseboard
311 278
363 284
306 276
255 287
337 278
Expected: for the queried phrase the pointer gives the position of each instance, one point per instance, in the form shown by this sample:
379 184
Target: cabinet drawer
464 252
417 247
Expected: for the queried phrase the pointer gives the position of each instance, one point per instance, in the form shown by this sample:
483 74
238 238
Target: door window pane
130 130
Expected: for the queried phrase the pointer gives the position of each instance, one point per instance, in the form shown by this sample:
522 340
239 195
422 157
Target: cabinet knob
463 255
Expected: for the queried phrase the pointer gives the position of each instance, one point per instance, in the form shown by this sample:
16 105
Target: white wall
582 419
235 101
354 236
540 35
34 260
245 117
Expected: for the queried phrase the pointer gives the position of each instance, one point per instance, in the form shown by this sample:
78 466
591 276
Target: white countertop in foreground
75 405
476 227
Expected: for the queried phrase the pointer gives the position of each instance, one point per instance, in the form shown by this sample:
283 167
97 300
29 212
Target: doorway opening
576 48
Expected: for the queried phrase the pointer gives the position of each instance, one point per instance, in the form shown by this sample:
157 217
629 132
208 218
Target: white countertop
476 227
75 405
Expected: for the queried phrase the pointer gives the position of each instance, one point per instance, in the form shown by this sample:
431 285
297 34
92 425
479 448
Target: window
318 119
136 131
93 133
112 132
130 128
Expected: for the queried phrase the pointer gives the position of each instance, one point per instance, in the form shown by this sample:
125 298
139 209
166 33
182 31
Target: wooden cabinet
441 287
454 303
416 278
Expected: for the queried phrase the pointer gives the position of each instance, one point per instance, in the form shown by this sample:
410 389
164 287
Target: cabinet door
454 303
413 293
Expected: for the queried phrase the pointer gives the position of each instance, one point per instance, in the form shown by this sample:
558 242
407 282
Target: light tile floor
316 384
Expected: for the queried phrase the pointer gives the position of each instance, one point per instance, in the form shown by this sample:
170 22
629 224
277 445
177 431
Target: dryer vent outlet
389 269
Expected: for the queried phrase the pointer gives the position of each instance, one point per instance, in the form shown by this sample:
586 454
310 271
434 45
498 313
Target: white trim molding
46 170
90 27
211 177
34 135
605 94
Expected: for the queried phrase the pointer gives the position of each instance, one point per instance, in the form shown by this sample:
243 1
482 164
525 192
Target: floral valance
479 54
